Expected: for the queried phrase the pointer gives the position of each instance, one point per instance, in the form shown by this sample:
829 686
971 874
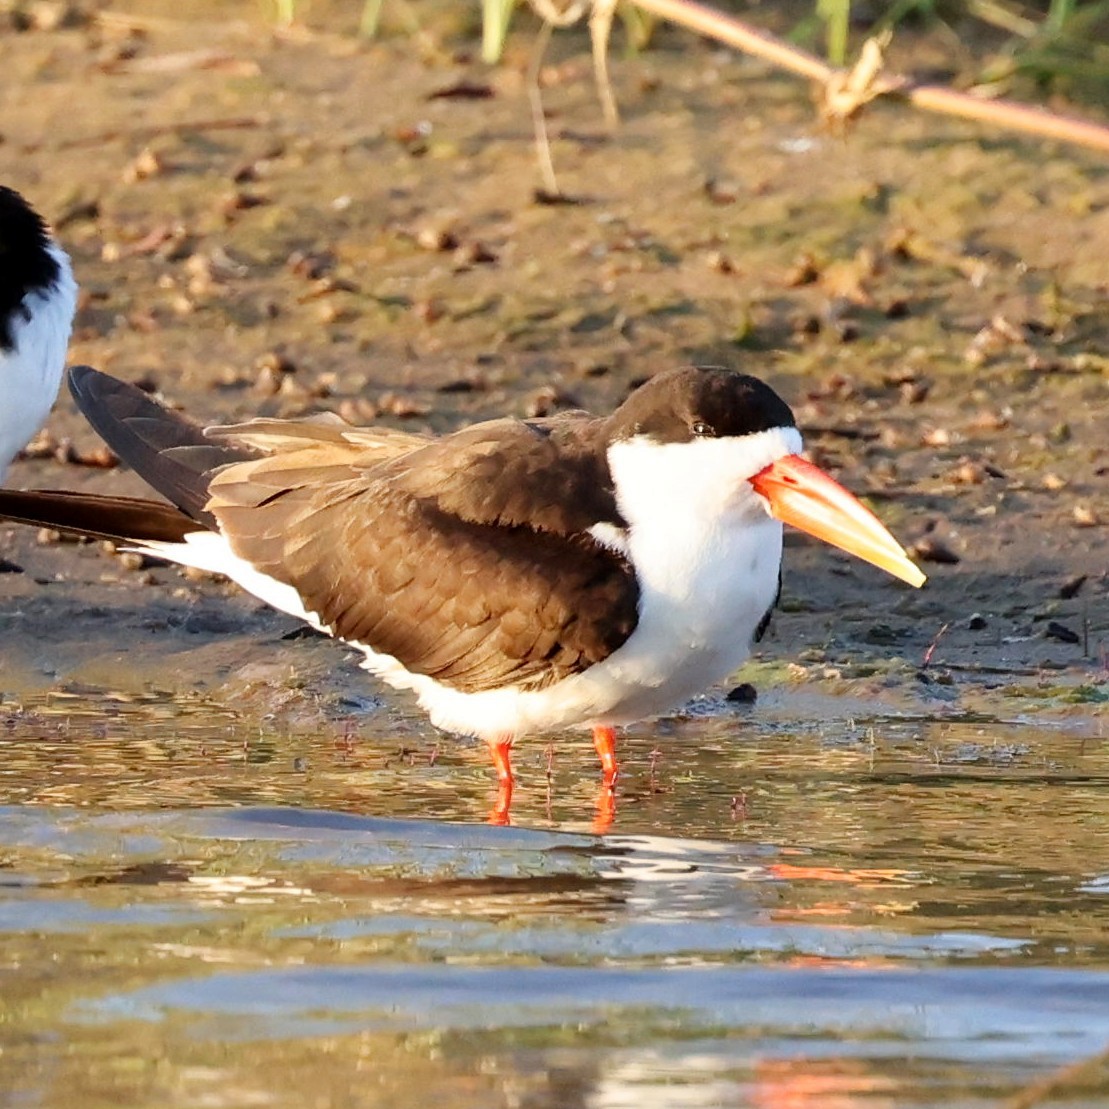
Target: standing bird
518 576
38 297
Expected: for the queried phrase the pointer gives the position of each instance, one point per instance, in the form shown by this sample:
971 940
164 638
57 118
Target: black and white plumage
518 576
38 297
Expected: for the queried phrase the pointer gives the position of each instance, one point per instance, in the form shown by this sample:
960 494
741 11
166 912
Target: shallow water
200 911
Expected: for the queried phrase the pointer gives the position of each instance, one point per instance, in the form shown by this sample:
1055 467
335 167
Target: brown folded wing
468 558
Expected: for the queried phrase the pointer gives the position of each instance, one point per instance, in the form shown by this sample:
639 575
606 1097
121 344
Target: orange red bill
805 497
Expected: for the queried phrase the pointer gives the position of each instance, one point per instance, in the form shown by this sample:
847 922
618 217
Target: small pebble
914 392
148 164
742 694
276 361
436 239
719 262
240 201
1061 632
929 549
330 312
473 253
325 385
549 399
50 15
358 410
404 408
936 437
268 381
804 271
311 264
1071 586
132 560
990 421
969 473
428 310
192 573
722 192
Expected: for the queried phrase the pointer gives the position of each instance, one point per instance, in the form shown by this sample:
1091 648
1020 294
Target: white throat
682 499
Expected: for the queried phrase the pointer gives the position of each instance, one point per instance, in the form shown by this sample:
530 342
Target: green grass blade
495 17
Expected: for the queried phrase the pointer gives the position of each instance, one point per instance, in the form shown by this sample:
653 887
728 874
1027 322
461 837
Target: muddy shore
281 223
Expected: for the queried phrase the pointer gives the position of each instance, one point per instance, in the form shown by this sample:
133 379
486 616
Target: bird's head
732 435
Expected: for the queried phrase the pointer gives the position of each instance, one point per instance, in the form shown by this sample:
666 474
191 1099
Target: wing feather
467 558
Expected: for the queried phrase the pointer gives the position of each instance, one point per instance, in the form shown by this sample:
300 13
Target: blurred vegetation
1057 43
1003 47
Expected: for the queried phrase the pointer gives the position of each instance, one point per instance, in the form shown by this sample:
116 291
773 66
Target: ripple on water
885 906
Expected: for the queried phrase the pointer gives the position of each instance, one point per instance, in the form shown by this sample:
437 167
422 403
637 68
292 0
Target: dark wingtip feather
164 448
120 519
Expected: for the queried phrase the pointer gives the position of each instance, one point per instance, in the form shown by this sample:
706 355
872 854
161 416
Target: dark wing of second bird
466 558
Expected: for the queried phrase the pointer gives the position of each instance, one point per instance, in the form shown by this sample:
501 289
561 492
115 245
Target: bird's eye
702 430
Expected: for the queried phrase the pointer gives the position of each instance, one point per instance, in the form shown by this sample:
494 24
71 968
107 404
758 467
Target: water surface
865 911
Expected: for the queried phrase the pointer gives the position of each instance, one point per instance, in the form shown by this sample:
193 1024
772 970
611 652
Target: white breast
707 556
31 371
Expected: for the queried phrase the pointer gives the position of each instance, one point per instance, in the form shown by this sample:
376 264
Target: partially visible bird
518 576
38 297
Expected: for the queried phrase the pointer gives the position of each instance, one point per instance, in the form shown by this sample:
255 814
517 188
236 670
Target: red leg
501 812
501 750
604 739
605 812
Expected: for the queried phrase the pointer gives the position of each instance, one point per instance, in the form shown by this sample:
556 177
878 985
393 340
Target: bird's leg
604 739
501 750
501 812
